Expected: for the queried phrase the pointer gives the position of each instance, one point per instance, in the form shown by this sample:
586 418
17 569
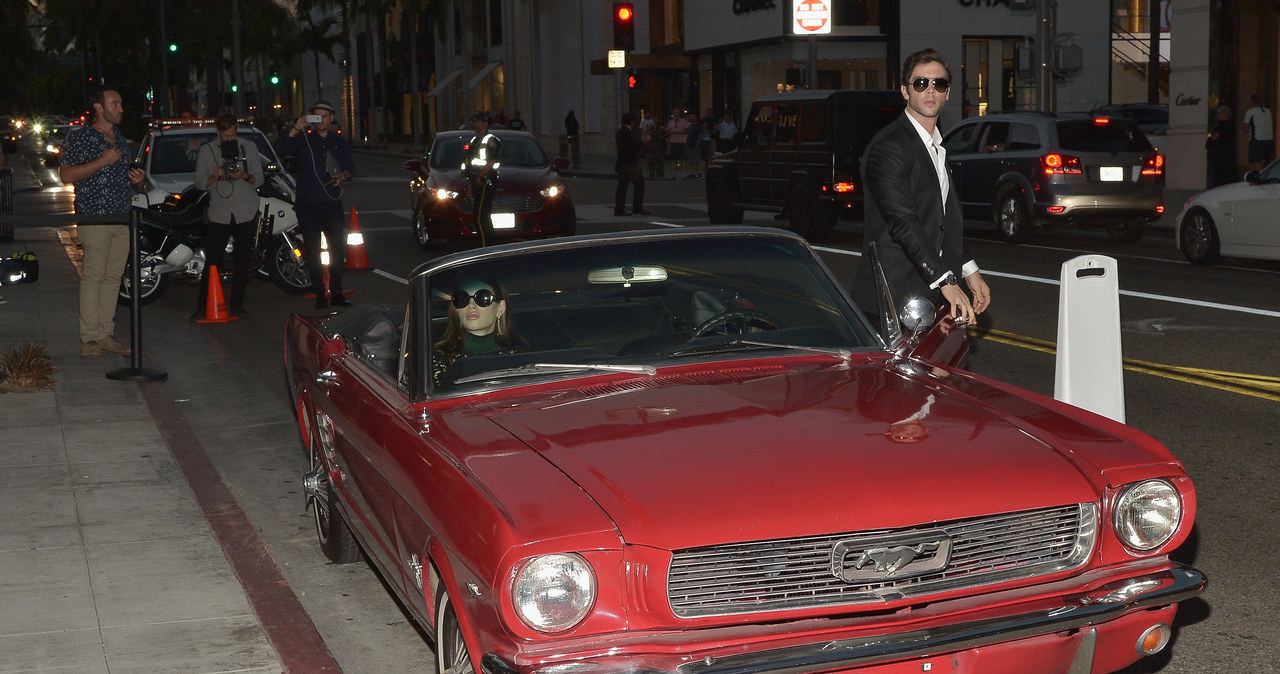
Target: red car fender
442 568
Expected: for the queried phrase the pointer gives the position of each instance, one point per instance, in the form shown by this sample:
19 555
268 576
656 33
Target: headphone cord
324 184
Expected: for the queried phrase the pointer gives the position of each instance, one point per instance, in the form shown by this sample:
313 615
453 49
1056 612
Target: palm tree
319 38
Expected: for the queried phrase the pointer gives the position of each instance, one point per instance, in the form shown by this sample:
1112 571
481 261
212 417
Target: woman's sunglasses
483 297
940 84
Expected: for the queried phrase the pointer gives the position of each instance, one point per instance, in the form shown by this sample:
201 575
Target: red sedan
688 451
532 200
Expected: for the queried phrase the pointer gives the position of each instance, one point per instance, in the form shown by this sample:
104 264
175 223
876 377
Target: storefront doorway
992 77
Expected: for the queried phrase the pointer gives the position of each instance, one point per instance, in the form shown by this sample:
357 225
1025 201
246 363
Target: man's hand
961 310
339 178
137 175
981 293
111 155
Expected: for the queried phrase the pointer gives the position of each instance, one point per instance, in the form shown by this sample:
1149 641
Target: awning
444 83
471 83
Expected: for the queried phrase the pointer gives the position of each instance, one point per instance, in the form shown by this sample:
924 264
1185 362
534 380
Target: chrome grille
505 203
798 573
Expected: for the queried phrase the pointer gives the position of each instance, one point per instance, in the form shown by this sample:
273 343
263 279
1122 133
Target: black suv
1023 170
798 156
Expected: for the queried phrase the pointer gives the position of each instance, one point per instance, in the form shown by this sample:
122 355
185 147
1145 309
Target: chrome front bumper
1107 603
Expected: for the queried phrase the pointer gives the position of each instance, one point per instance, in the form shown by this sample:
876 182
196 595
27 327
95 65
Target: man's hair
225 121
99 97
628 118
919 58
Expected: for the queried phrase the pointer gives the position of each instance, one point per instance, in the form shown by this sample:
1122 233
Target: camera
232 162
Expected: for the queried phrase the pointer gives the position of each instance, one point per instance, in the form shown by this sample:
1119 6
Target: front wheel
1011 216
287 267
1199 238
422 232
452 656
153 284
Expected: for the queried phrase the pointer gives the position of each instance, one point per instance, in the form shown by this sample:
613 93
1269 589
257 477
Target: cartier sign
1185 100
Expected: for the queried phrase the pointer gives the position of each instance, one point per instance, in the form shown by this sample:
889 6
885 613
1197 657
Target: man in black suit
912 209
628 168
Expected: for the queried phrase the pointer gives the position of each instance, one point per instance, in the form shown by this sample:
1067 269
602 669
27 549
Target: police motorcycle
172 233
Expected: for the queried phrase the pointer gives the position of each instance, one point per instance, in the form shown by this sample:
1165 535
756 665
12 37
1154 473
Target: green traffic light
275 79
235 88
173 46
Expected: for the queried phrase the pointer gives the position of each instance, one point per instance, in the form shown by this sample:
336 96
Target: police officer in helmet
480 166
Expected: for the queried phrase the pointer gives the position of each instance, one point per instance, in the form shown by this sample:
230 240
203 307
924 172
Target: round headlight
1147 514
554 592
552 191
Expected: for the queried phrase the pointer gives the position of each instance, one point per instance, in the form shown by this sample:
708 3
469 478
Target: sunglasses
940 84
483 297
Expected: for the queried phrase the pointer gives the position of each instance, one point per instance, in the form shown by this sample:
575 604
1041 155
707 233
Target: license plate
504 220
1111 174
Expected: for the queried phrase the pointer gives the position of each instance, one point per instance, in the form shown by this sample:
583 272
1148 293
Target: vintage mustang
688 451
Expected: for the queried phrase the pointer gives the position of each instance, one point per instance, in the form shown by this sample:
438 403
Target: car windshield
1103 135
176 152
516 151
631 304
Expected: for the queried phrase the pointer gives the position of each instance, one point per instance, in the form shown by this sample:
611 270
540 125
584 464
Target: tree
319 38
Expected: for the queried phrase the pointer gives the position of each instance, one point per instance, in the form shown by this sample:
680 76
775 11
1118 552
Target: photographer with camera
230 170
312 139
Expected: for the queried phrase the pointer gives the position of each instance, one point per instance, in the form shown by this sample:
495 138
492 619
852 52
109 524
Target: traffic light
275 75
173 47
633 79
624 25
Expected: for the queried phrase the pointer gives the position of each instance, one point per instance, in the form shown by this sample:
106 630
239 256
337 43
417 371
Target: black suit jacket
917 243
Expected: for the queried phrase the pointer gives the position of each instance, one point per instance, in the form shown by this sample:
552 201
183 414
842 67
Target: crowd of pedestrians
683 142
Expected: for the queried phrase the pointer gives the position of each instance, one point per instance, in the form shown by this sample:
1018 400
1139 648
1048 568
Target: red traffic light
624 25
631 82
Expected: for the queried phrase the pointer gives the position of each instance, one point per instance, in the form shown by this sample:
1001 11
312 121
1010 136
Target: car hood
510 178
699 458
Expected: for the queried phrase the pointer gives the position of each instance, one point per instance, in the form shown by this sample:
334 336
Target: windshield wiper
739 344
555 368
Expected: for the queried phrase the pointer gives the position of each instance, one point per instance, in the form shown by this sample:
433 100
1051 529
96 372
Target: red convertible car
688 451
532 201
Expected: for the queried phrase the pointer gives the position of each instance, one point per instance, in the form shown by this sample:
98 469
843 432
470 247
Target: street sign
617 58
811 17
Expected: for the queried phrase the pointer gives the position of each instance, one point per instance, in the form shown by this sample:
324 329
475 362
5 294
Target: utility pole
163 95
1153 57
237 66
1046 37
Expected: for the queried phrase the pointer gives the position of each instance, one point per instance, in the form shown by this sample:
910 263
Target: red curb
288 627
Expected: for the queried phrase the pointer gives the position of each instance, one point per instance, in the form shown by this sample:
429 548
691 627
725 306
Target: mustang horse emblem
889 560
880 557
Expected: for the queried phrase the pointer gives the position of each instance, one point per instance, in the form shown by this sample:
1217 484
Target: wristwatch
949 279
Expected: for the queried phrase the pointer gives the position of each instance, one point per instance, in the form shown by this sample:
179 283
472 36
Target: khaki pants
106 249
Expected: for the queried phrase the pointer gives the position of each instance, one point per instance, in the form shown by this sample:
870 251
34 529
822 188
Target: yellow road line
1256 385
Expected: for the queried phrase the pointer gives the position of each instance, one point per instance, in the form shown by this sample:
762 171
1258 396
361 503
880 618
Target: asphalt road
1203 378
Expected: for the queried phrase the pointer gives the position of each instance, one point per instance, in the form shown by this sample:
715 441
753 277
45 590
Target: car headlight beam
1147 514
552 191
444 194
552 593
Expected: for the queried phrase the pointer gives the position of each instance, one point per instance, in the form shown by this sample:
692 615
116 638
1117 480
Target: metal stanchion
136 372
6 203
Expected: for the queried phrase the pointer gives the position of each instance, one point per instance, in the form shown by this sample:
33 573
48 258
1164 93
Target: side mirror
414 165
1253 178
917 315
560 163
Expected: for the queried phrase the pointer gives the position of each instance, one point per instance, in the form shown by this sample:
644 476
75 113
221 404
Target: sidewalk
110 564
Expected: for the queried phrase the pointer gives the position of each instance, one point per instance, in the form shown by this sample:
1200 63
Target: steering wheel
742 319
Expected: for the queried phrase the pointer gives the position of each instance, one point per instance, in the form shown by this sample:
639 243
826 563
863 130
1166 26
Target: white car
168 155
1236 220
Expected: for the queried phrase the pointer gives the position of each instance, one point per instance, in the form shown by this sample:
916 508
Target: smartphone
314 119
137 165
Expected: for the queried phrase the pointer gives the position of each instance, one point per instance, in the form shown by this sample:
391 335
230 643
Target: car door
753 153
1254 226
359 404
782 156
963 161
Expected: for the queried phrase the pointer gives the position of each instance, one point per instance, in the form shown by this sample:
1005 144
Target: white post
1089 371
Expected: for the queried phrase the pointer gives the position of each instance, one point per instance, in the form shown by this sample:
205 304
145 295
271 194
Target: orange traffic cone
357 258
215 306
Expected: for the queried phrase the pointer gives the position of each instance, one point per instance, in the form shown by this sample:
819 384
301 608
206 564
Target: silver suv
1024 170
168 155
